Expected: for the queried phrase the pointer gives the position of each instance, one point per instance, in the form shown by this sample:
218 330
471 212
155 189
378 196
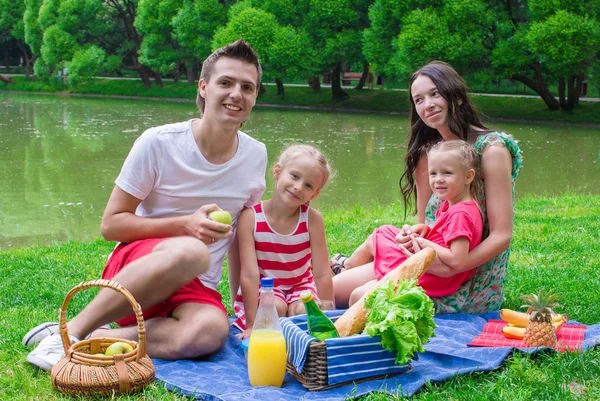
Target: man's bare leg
191 331
151 279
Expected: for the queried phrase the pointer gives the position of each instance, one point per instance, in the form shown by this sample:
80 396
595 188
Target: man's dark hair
238 50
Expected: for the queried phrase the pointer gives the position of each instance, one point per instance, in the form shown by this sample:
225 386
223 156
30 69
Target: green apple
119 347
221 216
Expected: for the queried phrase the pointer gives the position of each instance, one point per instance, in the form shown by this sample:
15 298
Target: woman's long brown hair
462 118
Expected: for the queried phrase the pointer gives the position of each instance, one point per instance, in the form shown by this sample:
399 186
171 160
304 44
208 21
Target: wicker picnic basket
81 372
314 374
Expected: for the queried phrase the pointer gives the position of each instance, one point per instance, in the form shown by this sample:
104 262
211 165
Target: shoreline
302 107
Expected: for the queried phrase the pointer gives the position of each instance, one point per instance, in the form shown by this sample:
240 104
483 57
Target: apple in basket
119 347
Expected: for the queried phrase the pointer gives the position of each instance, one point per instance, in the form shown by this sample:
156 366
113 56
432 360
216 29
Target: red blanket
569 337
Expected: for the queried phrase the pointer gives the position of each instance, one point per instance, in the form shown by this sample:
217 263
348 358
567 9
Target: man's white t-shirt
167 171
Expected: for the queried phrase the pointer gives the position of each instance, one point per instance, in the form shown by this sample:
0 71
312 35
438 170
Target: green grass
363 100
556 245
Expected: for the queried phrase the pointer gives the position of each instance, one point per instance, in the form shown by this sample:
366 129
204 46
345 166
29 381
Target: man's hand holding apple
209 230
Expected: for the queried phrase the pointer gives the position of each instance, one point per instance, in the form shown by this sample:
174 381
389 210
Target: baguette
353 321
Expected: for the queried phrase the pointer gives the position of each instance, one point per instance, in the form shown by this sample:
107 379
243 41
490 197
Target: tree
385 19
385 24
287 12
12 26
289 56
550 41
34 36
455 32
177 34
336 28
405 35
284 51
158 49
100 29
193 29
292 13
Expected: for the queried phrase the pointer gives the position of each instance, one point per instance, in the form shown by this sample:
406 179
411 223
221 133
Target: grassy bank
556 245
532 109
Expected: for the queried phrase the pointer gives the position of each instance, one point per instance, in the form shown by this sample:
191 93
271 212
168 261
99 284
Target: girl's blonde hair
469 159
297 150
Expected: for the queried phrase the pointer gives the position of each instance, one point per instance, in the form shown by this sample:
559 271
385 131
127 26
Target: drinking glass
325 305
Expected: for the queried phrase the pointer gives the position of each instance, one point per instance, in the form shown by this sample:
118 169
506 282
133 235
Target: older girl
284 238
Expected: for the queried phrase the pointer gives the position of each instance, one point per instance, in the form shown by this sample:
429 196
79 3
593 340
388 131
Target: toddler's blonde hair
296 150
469 159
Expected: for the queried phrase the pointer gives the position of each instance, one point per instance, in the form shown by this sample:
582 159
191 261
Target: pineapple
540 331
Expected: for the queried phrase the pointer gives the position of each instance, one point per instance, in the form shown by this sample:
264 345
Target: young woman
441 111
284 238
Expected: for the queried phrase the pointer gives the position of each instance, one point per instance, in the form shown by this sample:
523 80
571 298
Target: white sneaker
38 333
41 331
48 352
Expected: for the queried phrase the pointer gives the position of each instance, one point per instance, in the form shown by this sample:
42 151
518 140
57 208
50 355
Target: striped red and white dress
285 258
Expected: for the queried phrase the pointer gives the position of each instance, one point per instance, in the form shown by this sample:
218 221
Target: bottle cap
266 282
306 296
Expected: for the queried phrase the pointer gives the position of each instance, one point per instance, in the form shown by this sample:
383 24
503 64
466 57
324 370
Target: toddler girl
454 176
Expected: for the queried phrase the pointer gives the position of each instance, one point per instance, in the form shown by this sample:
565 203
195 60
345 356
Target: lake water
59 157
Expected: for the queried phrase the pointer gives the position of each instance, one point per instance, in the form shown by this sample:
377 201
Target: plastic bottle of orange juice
266 351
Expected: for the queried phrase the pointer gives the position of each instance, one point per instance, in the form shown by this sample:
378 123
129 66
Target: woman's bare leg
362 290
346 282
361 256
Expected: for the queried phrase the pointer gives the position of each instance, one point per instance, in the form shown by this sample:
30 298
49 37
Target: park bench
347 77
351 76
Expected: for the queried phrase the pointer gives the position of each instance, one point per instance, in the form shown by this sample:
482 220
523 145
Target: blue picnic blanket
223 376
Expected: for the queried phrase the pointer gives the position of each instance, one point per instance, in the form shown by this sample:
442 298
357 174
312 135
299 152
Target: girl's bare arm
249 275
320 262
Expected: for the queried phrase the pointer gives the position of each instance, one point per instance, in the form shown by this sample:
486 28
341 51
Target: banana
520 319
513 333
558 318
560 323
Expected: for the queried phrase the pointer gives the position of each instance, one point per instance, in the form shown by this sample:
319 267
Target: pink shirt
461 220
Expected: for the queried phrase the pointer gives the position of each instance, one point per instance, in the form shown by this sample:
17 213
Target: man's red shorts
195 291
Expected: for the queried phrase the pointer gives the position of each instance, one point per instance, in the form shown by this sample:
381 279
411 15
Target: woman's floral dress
485 290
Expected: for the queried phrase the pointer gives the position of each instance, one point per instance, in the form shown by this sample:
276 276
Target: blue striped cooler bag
321 365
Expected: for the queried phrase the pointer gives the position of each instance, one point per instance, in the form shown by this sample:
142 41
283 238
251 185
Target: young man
170 253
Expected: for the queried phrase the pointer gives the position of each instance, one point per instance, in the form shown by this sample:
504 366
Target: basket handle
113 285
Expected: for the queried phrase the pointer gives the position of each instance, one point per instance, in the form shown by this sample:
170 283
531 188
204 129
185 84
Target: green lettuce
402 314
